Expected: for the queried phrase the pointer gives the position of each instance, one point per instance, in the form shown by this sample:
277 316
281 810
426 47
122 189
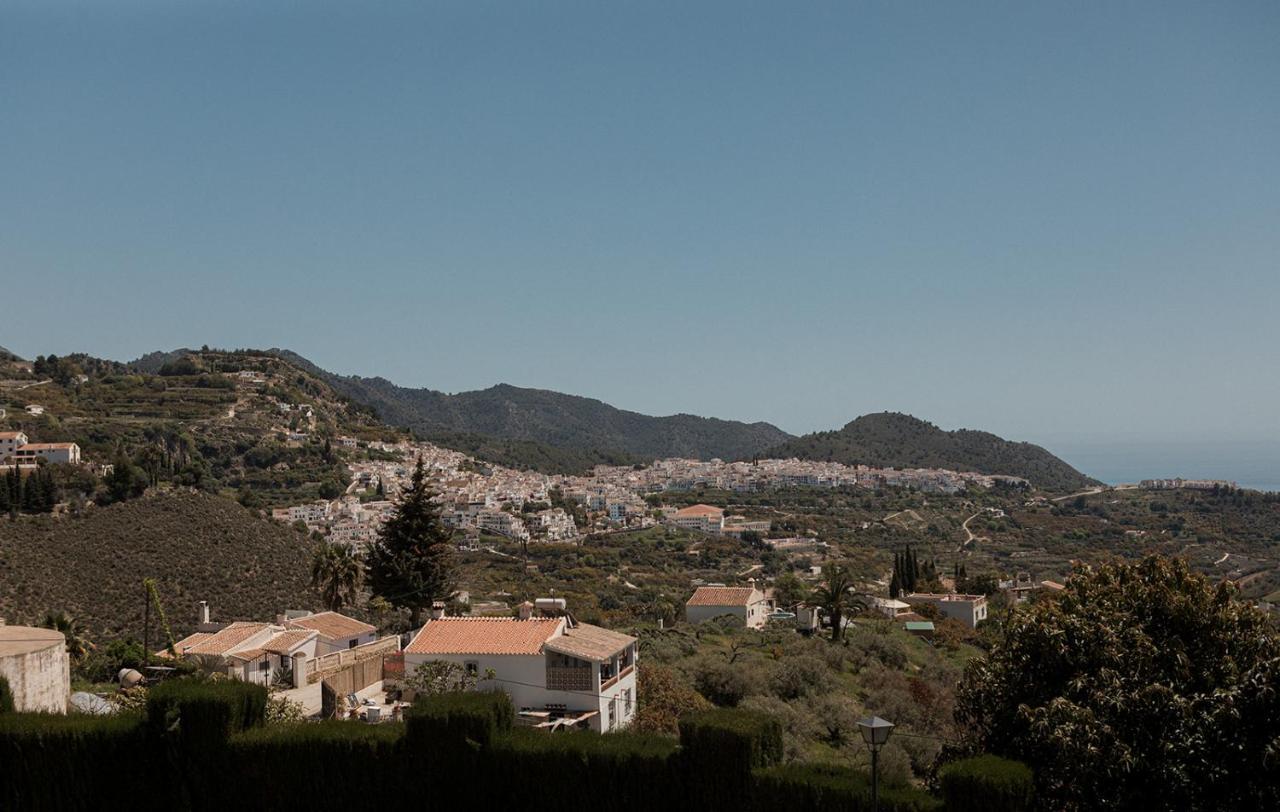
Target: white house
553 668
262 653
891 607
68 453
336 631
11 441
746 603
968 609
702 518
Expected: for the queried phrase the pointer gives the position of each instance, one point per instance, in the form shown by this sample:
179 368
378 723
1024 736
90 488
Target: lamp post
875 732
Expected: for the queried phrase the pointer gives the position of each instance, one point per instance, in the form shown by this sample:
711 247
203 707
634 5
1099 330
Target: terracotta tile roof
186 642
722 596
698 510
10 435
484 635
43 446
589 642
227 639
332 625
285 642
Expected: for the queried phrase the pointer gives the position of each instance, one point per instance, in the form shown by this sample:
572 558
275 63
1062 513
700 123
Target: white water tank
550 604
35 664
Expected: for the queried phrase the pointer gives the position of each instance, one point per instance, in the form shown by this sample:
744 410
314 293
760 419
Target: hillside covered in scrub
239 423
196 546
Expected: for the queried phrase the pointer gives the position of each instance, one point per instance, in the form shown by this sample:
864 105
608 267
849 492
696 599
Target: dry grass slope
196 546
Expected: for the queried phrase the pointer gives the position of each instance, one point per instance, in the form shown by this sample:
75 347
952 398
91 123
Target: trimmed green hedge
831 788
472 718
201 747
738 737
987 784
332 765
721 747
205 712
77 762
6 696
633 771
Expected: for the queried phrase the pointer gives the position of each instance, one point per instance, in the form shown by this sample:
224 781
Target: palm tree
336 573
834 596
78 645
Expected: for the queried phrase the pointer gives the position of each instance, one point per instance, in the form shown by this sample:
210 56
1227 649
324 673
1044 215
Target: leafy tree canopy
1141 686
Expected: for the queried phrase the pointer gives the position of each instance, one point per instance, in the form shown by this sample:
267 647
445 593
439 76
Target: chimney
437 610
204 613
280 618
526 610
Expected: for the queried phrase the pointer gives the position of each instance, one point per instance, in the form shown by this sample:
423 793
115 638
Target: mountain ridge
507 412
563 433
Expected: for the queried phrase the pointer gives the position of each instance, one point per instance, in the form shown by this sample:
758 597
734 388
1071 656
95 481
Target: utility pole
146 627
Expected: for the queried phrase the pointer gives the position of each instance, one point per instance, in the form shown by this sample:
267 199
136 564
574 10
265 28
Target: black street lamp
875 732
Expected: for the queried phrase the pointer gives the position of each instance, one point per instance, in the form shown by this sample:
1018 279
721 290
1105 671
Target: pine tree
895 587
411 564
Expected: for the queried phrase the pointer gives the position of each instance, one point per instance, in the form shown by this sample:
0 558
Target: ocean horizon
1251 465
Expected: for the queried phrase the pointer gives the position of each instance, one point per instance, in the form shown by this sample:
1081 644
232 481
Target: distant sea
1253 465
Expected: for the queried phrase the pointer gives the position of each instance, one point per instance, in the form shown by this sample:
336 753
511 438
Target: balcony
620 675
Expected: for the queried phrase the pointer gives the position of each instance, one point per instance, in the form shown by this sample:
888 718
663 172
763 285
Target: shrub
831 788
987 784
632 770
472 718
357 762
76 762
6 696
720 747
205 711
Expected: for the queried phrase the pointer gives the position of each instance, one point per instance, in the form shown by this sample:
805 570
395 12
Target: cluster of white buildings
1190 484
685 474
492 499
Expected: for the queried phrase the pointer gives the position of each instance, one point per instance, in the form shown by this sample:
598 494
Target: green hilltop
891 439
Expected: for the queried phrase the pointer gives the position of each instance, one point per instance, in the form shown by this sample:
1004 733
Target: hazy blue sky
1059 222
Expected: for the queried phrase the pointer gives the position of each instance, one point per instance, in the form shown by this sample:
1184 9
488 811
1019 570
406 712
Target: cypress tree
50 492
411 563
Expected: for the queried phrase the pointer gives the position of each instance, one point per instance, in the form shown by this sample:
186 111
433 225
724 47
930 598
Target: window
612 720
353 642
473 668
265 665
626 702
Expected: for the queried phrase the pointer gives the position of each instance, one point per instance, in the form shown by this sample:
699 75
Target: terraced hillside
195 419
